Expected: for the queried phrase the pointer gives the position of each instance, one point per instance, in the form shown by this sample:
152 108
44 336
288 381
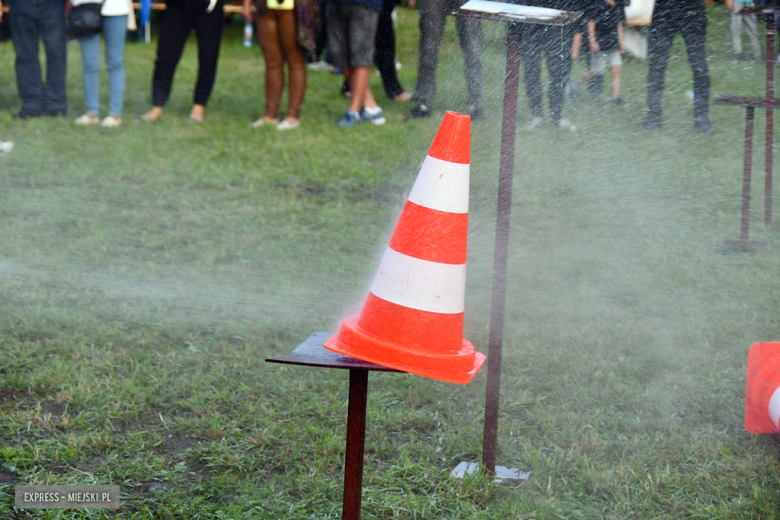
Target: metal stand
312 353
751 103
525 15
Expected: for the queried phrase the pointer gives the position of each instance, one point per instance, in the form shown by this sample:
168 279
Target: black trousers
31 21
384 50
555 44
181 16
690 20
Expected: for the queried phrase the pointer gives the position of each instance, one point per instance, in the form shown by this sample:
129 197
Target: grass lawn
146 272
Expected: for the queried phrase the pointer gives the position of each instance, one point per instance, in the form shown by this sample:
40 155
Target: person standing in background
433 15
284 39
384 53
116 14
33 20
181 16
555 44
689 18
751 28
351 34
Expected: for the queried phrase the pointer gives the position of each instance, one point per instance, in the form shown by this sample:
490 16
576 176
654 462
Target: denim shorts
351 33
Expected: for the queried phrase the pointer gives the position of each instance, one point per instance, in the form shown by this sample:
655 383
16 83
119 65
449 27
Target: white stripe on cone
420 284
442 185
774 407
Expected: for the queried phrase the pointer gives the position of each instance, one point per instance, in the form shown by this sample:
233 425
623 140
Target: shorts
601 61
351 34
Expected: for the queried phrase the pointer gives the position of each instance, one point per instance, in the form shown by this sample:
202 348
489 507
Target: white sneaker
318 65
566 124
6 146
260 122
286 125
111 122
536 121
88 119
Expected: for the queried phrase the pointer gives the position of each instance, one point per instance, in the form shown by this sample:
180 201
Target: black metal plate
312 353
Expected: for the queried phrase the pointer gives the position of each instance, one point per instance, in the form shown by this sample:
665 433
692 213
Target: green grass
147 272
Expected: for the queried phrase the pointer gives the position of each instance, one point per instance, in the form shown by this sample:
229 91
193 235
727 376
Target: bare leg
152 115
616 81
196 114
361 92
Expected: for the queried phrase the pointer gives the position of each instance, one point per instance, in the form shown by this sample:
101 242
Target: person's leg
271 45
694 32
597 65
470 37
296 64
532 66
736 28
432 19
90 58
359 78
361 36
558 66
751 27
208 29
24 32
52 27
662 33
114 32
384 51
175 28
616 81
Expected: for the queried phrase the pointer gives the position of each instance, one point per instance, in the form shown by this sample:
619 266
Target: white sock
372 111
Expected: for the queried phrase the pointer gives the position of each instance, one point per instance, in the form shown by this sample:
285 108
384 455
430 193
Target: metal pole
500 262
770 94
746 172
356 436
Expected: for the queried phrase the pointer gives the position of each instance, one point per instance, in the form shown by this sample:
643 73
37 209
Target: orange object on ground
762 399
413 317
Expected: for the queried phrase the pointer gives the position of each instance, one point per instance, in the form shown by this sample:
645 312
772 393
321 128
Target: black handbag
85 20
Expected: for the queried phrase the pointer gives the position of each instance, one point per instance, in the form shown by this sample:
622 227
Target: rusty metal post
770 120
506 172
746 174
356 436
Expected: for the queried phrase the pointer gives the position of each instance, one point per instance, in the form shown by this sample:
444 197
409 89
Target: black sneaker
27 114
650 124
477 114
419 112
57 113
617 100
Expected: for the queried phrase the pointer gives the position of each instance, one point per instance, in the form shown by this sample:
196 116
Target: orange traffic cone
762 400
413 317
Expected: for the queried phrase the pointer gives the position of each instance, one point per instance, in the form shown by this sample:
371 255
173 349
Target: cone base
763 378
459 367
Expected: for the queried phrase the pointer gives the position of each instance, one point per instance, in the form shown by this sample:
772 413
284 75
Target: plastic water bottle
247 34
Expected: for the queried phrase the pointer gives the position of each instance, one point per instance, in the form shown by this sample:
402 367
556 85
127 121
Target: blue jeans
114 32
33 20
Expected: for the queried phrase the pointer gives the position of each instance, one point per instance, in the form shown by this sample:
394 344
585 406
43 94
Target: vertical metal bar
356 436
500 262
770 120
746 171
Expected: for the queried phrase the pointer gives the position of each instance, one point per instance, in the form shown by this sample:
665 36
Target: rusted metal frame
746 177
356 436
500 262
770 120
